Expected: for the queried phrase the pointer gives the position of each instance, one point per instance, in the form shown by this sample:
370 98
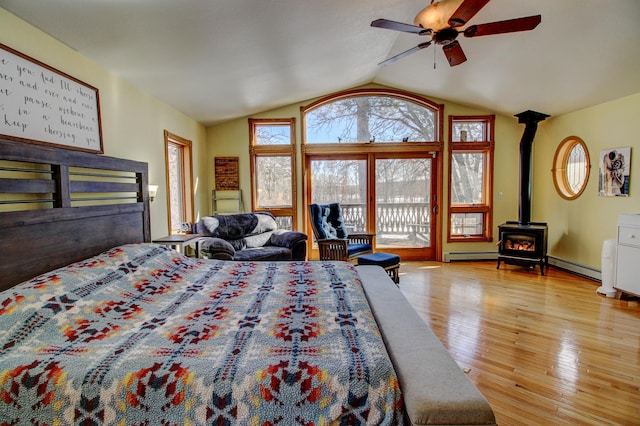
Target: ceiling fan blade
501 27
465 12
405 53
453 52
399 26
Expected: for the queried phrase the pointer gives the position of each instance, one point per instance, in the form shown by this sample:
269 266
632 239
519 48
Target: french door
383 193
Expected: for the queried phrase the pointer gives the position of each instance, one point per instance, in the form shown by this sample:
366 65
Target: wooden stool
389 262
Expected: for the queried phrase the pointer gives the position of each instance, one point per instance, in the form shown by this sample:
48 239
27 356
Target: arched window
372 116
376 152
571 166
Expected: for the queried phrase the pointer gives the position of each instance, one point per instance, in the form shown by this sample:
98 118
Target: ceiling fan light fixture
436 15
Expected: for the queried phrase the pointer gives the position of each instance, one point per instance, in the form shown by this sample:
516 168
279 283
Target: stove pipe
530 120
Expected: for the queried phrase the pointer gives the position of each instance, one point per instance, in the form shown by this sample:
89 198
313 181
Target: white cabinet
628 254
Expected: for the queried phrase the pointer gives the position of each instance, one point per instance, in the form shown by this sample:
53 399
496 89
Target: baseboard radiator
576 268
469 255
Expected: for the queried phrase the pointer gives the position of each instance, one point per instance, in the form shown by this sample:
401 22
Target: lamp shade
153 190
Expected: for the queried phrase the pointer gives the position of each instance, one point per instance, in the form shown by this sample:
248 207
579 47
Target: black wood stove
524 245
524 242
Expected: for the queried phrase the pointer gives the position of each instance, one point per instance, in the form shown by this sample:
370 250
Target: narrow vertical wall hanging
227 173
615 167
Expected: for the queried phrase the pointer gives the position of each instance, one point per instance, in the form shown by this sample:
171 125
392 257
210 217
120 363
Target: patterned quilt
141 335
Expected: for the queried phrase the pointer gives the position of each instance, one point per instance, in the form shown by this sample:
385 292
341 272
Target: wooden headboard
59 206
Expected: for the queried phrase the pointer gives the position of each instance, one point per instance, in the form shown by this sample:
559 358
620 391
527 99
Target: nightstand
181 241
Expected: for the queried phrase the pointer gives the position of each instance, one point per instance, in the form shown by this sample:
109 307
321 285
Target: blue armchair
330 232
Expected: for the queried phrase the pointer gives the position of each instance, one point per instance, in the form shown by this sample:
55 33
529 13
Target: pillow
217 245
328 222
284 238
334 217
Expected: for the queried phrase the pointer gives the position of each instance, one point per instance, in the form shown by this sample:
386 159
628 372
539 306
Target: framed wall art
615 167
39 104
227 173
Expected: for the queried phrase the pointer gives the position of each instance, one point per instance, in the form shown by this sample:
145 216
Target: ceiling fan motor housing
444 37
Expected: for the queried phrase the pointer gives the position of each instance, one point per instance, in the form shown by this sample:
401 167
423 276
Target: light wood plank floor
542 349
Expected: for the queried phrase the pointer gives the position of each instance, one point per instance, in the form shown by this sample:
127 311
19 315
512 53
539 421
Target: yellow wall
232 139
133 122
577 228
506 168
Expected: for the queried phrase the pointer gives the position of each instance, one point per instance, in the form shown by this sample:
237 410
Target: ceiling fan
441 20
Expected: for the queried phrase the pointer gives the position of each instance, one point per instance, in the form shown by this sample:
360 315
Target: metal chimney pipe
530 120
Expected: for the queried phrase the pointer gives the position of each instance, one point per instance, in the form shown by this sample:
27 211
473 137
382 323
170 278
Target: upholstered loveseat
249 236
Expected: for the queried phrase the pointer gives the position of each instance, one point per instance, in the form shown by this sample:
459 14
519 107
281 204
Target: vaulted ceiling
223 59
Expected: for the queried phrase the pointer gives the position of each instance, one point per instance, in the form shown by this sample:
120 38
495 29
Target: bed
99 326
142 333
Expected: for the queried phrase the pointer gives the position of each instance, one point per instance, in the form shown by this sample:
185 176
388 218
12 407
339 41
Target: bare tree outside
467 174
176 197
370 119
376 119
273 135
275 175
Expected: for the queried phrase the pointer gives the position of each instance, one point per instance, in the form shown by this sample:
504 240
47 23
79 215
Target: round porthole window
571 166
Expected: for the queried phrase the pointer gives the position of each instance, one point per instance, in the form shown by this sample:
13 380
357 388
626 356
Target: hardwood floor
542 349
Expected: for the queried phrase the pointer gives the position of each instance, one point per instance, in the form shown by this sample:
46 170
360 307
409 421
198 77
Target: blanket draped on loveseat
249 236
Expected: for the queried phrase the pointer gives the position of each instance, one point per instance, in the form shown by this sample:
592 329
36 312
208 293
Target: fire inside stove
520 242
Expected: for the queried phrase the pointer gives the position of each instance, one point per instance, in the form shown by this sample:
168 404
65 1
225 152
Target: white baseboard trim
576 268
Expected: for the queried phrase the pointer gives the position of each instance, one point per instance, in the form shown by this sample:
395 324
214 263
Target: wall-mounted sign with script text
40 104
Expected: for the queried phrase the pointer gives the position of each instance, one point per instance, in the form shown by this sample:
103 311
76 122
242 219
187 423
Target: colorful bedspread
143 335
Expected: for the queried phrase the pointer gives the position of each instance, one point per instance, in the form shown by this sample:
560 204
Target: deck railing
396 223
